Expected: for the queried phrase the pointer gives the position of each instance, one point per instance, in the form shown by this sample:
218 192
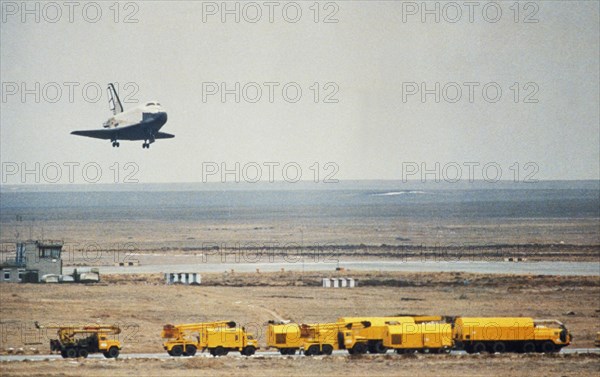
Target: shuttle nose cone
157 117
161 116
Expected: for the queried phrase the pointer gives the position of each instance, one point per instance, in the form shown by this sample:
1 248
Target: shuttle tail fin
113 100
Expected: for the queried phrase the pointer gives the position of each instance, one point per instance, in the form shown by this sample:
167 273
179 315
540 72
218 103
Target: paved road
164 355
190 264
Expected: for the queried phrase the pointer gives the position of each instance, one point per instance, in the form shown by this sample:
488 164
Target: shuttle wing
97 134
132 132
164 135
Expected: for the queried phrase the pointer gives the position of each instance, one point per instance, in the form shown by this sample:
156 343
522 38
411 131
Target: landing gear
148 141
115 144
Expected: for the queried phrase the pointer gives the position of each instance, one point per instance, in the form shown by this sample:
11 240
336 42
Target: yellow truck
218 338
286 337
81 340
221 340
408 336
324 338
375 333
509 334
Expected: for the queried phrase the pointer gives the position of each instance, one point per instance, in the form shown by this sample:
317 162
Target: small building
33 260
186 278
339 282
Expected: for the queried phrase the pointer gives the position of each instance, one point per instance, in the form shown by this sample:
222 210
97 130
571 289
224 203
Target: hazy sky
375 59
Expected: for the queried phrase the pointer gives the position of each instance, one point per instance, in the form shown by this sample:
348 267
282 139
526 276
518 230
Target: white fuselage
134 115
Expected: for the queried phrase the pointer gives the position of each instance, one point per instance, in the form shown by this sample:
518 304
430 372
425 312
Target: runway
482 267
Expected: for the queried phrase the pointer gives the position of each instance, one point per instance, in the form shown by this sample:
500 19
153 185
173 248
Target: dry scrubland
143 304
548 239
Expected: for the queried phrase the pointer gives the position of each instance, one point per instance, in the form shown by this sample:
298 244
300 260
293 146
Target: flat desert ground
141 303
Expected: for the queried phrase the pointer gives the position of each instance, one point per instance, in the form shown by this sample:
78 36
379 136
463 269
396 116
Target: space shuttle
139 123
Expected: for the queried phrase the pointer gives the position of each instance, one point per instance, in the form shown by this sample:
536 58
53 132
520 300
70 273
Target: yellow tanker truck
407 336
509 334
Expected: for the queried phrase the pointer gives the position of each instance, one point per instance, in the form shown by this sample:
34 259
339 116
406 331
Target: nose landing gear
115 144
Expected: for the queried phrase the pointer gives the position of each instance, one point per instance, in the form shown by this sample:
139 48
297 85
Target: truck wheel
190 350
63 353
499 347
219 351
380 348
291 351
479 347
360 348
248 351
528 347
312 350
113 352
177 351
83 353
71 353
548 347
327 349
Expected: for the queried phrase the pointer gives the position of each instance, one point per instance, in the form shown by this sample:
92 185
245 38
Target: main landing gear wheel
147 143
116 144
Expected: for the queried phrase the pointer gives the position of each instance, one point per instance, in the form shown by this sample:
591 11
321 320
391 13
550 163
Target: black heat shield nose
160 117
